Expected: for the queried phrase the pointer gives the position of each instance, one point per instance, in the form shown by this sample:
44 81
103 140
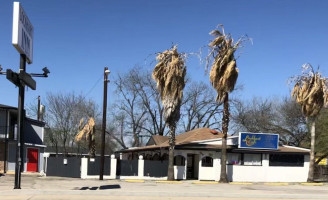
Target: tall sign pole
19 167
102 161
22 39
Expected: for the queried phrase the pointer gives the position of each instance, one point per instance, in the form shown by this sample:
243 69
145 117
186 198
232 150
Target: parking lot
34 188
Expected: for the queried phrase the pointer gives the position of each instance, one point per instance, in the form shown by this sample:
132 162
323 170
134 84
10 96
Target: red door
32 160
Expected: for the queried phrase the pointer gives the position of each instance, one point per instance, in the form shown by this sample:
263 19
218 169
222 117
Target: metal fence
155 168
127 168
94 167
64 167
321 173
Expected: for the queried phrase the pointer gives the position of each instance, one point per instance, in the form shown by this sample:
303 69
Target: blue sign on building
258 141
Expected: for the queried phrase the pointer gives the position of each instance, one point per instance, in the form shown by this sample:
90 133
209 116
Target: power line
93 87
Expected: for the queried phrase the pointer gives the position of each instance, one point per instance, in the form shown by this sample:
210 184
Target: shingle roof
159 139
184 138
188 141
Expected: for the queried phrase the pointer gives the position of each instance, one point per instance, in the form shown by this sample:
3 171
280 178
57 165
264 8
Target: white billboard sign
22 32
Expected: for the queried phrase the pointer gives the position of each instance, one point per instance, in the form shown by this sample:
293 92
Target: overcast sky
76 39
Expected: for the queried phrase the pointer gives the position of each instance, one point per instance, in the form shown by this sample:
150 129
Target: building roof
181 139
7 107
188 140
197 135
159 139
281 149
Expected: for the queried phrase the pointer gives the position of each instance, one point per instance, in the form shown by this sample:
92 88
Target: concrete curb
134 181
205 182
276 184
312 184
240 183
170 182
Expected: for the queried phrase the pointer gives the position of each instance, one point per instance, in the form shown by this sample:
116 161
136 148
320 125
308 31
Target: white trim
300 148
35 145
211 140
8 124
42 134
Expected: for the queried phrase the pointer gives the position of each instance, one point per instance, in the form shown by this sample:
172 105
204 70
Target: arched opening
207 161
179 160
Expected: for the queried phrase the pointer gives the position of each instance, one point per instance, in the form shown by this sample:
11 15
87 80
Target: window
252 159
286 160
234 159
179 161
207 162
244 159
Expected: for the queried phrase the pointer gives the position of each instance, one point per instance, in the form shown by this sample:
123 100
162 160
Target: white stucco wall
266 173
180 172
210 173
204 173
239 173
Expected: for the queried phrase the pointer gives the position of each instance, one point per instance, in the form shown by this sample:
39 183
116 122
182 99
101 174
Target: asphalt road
44 188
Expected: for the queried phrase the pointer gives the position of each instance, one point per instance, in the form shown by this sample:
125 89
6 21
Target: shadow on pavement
102 187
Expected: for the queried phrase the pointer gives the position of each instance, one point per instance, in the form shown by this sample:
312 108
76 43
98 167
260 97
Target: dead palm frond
169 73
88 131
310 91
223 77
224 71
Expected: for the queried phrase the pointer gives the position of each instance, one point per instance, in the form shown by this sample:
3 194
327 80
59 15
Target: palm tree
88 131
169 73
223 77
310 91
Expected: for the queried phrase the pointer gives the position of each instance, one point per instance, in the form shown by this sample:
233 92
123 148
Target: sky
76 39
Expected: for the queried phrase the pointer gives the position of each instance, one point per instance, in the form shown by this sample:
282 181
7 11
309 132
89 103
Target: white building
198 153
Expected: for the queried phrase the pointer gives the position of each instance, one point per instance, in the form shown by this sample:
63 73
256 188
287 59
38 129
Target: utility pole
39 104
102 161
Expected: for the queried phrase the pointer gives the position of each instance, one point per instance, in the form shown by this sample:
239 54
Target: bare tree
145 87
131 107
272 116
116 129
64 112
199 108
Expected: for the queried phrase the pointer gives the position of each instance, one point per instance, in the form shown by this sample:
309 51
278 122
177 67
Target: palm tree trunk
225 124
311 167
170 172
